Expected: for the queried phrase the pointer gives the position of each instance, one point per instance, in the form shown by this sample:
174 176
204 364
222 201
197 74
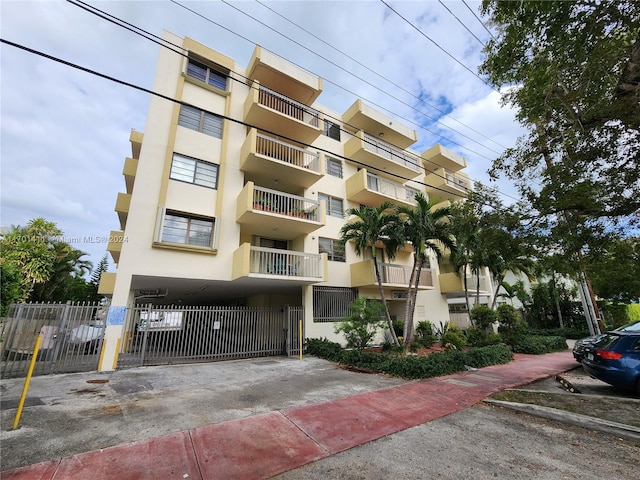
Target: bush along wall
411 367
539 345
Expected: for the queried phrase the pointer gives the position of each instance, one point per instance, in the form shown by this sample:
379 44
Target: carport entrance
159 335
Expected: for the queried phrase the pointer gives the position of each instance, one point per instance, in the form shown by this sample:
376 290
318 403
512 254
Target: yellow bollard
300 336
23 397
115 357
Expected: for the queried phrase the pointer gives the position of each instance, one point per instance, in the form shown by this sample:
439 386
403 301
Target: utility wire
478 18
164 43
422 127
437 45
218 115
400 87
461 22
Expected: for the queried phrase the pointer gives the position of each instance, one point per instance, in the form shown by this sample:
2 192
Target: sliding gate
157 335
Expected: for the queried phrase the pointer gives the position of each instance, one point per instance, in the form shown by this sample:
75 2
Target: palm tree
371 227
428 229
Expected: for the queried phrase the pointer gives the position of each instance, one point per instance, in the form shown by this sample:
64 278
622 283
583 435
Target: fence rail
156 335
400 274
286 204
300 157
390 152
72 335
273 261
288 107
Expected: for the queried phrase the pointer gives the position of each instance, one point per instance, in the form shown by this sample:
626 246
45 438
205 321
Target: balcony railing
457 181
401 275
273 261
391 189
300 157
285 204
288 107
388 151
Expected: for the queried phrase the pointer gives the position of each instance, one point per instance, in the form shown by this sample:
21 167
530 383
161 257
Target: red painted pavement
263 446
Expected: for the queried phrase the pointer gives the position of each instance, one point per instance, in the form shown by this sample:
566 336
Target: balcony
273 112
129 171
271 213
266 160
107 283
135 138
367 119
272 263
368 189
114 247
123 203
438 157
445 184
363 275
277 74
453 286
382 156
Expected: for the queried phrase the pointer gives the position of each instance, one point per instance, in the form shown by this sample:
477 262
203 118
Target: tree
363 323
370 227
96 274
572 70
428 230
31 251
51 270
615 273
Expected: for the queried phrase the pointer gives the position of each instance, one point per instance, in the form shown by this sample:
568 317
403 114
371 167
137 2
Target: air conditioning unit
399 295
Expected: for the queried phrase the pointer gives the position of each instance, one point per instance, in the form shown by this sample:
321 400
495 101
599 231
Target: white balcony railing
390 189
273 261
457 181
390 152
401 274
286 204
288 107
300 157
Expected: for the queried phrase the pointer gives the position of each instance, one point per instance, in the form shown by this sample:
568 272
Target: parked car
87 338
580 345
615 359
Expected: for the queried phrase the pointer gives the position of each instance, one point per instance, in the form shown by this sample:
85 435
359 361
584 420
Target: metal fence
71 333
157 335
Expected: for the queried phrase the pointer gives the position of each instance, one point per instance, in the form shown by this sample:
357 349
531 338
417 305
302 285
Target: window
195 119
187 169
333 248
178 228
332 304
334 205
333 167
206 74
331 130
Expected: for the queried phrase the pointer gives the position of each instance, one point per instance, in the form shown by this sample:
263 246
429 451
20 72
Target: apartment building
235 196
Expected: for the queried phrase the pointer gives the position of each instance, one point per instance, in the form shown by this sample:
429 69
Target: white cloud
65 132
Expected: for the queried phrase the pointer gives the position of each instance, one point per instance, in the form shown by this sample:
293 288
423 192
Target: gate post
286 317
145 334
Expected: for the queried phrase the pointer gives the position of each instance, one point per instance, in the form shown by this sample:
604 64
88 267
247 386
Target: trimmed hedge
539 345
561 332
411 367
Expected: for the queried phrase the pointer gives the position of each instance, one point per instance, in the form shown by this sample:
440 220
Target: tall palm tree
370 227
428 229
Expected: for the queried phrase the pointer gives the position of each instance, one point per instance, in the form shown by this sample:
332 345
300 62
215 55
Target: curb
618 429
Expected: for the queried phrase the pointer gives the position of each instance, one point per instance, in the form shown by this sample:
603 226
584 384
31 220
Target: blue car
614 358
580 345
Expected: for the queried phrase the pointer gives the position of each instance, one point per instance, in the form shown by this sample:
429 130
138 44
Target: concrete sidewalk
265 445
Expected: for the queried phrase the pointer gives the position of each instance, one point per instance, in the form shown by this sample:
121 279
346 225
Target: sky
64 134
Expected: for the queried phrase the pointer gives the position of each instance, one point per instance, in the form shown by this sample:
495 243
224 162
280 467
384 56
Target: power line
364 81
461 23
478 18
224 117
180 51
437 45
379 75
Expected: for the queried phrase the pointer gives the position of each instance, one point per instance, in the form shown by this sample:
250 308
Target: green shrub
489 355
323 348
483 317
479 337
538 345
455 338
511 326
424 336
560 332
363 324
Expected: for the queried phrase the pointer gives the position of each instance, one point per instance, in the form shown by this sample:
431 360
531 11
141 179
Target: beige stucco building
235 195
